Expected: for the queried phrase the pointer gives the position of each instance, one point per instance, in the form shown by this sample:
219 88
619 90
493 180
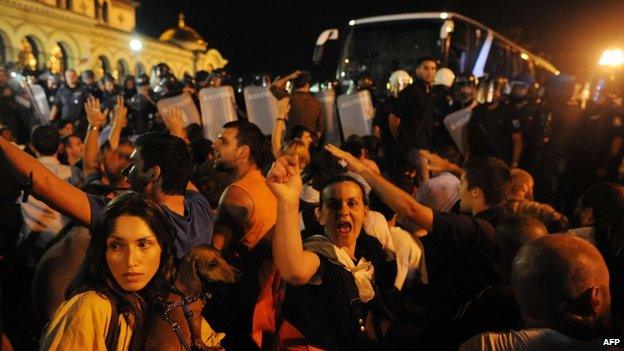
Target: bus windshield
375 50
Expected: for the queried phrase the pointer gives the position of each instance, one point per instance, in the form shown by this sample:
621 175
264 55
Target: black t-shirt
415 108
324 313
490 131
492 215
459 259
71 102
493 309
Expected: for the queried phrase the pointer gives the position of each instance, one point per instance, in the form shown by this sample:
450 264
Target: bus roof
449 15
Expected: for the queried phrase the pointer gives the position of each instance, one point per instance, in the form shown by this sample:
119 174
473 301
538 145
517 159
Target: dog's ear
187 279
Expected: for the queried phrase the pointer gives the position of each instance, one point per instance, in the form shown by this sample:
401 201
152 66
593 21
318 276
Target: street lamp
136 45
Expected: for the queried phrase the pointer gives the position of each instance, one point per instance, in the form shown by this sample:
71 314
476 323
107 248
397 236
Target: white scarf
362 272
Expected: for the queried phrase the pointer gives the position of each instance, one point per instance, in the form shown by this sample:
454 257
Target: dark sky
278 36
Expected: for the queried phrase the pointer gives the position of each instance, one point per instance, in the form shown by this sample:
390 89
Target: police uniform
490 131
598 127
70 102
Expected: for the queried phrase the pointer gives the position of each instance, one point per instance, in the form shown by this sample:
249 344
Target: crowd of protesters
509 238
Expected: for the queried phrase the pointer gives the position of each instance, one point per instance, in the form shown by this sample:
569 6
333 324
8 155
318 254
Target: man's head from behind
511 233
45 140
426 68
302 81
160 162
562 282
241 143
485 183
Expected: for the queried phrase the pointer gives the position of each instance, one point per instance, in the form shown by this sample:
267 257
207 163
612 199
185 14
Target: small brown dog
174 323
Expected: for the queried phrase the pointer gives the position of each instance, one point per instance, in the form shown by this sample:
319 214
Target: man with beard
160 166
561 283
243 227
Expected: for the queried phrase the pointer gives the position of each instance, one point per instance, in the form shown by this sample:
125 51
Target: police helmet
444 76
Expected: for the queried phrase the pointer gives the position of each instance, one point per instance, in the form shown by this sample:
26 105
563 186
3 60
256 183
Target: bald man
561 284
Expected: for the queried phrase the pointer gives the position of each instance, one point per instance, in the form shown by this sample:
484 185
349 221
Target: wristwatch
93 127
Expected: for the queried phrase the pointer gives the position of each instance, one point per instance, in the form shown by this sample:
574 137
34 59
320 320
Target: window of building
103 66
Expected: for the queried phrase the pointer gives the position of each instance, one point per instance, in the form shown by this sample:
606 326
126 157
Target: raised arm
175 123
439 164
399 201
280 126
119 122
46 186
96 120
281 83
294 264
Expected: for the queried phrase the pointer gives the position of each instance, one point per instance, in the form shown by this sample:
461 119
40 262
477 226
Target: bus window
377 49
458 53
496 63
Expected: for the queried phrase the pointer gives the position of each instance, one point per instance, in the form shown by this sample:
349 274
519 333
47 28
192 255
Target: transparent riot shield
356 113
185 103
217 108
261 107
40 103
457 125
332 125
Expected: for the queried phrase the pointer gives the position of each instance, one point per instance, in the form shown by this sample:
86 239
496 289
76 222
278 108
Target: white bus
376 46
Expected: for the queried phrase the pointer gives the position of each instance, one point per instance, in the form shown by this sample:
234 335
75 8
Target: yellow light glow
444 15
612 58
351 22
347 60
524 56
557 73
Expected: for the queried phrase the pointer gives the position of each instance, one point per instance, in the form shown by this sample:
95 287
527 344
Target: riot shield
261 107
217 108
356 113
185 103
457 125
332 126
40 103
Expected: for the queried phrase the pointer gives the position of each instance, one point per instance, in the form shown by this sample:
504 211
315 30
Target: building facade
40 35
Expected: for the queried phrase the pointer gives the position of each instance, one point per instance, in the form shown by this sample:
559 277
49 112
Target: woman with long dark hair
130 259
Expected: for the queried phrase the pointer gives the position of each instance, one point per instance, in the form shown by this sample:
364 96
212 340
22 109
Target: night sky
278 36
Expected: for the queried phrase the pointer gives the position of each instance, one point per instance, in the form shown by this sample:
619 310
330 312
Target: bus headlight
612 58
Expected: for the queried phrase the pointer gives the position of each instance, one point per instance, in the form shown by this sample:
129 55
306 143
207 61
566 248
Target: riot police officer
559 116
599 138
396 83
490 132
524 111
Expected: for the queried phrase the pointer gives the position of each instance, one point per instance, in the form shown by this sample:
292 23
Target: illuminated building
94 34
